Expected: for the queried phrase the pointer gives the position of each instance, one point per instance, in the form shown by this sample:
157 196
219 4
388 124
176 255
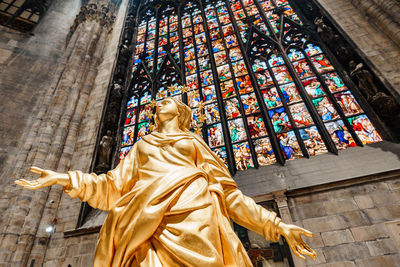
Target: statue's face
166 109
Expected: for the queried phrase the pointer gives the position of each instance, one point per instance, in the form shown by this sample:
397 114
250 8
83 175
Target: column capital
102 11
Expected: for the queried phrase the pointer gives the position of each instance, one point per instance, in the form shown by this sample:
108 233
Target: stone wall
349 223
74 251
384 54
27 67
322 169
79 251
62 136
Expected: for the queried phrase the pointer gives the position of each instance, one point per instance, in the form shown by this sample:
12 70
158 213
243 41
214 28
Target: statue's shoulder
199 142
142 142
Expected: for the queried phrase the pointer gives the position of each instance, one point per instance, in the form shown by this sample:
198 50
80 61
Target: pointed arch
260 85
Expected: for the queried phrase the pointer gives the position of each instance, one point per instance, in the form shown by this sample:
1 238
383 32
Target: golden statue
170 202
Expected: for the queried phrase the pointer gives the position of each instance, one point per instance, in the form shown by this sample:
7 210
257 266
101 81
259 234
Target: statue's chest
184 147
181 150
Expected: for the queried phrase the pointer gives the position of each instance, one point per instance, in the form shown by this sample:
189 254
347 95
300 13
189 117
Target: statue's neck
170 126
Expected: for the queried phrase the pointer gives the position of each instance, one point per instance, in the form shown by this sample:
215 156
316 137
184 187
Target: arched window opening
261 86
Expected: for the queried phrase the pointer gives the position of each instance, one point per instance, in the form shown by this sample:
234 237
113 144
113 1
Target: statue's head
170 107
352 64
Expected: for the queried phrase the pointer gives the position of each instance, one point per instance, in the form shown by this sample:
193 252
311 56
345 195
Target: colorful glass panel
300 91
232 108
130 116
290 93
256 126
289 145
334 83
264 151
215 135
128 136
325 109
237 131
280 120
364 129
143 129
221 153
313 141
271 98
313 87
250 103
340 135
212 113
242 156
348 103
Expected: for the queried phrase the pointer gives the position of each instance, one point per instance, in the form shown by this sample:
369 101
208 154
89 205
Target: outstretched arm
47 178
244 211
100 191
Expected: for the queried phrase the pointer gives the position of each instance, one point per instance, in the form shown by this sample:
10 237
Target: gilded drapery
170 201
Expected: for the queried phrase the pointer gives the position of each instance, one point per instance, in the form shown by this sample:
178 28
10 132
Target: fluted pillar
53 135
385 14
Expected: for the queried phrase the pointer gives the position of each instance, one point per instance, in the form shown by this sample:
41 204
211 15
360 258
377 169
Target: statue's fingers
298 254
307 233
28 184
295 251
22 182
305 251
19 182
312 254
35 169
33 187
306 246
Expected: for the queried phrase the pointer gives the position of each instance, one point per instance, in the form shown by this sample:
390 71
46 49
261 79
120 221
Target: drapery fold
170 203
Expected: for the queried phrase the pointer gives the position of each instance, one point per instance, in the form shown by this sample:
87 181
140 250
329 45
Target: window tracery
261 87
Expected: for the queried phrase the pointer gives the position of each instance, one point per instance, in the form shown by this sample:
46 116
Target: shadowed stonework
73 82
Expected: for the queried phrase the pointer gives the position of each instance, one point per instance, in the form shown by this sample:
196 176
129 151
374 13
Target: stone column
284 211
391 8
53 135
384 14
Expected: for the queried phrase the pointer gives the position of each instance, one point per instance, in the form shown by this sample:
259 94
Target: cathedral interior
300 99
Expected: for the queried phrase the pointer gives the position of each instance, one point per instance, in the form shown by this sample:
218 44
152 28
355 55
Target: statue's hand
293 233
47 178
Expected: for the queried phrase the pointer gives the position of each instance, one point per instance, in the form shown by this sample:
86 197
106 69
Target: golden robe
170 201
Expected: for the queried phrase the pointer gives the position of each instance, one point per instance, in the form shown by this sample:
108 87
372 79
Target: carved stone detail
383 104
105 152
92 11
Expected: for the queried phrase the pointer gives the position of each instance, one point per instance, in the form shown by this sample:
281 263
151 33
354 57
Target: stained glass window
261 88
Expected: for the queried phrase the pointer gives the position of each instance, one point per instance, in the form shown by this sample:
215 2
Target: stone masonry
68 116
372 41
350 221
